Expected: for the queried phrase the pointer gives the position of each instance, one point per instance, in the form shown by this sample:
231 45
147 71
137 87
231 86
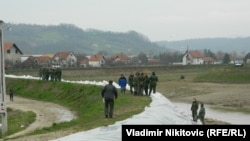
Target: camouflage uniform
146 84
136 82
141 84
131 82
153 82
58 74
194 109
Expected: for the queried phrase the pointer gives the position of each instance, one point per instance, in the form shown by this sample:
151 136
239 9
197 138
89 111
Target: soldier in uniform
141 84
201 114
136 82
153 83
52 74
194 109
146 84
40 74
46 74
58 74
131 82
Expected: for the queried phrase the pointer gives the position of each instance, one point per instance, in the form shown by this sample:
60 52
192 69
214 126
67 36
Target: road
46 113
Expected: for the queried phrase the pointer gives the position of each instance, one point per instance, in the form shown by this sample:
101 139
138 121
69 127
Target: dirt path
46 113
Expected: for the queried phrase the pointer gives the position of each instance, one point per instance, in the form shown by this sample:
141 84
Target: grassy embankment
85 100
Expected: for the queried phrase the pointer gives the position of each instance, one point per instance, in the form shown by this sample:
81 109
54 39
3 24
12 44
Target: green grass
84 99
18 120
227 74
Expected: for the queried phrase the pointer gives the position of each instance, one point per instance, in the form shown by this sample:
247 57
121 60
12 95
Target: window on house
16 51
8 51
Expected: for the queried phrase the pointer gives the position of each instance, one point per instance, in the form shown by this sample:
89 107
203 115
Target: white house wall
198 61
94 63
14 56
71 59
191 60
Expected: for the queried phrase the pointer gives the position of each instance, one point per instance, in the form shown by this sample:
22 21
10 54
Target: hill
40 39
239 45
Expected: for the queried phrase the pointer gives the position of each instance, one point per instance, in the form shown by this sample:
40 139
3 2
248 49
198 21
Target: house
96 61
82 61
192 57
36 61
64 59
209 60
12 54
120 58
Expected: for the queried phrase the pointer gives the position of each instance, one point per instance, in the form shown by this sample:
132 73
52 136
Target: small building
192 58
82 61
36 61
12 54
120 58
209 60
96 61
64 59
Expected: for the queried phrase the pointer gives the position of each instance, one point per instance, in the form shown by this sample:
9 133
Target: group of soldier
141 83
50 74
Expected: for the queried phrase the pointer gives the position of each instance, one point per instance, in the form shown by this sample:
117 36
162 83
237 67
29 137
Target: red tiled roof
195 54
43 59
7 45
95 58
121 56
62 55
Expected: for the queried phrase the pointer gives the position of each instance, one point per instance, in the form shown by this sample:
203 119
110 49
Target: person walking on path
122 83
11 94
194 109
153 83
202 112
109 94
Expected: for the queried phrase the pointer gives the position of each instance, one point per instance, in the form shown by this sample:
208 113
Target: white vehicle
238 63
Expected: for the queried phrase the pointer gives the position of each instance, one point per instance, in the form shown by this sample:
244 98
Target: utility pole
3 109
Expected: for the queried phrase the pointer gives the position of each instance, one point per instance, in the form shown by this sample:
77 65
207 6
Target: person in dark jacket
194 109
146 84
122 83
153 83
131 82
11 94
109 94
201 115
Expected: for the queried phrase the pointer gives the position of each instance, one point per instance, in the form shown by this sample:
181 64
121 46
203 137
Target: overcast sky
156 19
